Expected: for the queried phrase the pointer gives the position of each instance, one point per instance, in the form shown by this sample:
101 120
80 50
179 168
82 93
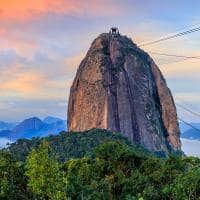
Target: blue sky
43 42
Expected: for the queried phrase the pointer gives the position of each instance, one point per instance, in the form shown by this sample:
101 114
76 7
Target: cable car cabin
114 32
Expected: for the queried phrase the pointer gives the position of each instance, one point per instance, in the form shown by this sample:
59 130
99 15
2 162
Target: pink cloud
23 10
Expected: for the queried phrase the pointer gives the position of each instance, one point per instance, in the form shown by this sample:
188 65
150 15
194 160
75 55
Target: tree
111 171
187 186
12 180
44 176
103 177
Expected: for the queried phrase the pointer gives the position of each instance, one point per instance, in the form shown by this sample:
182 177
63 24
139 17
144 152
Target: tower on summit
114 31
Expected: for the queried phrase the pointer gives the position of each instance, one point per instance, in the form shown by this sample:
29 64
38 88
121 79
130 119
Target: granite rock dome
119 87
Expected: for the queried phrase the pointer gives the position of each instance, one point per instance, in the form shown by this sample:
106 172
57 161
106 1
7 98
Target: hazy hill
184 127
7 126
50 119
191 134
34 127
68 145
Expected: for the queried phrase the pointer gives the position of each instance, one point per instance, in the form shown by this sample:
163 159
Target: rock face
119 87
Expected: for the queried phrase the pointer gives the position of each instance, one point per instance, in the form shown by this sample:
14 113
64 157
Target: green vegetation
67 145
103 166
45 179
13 183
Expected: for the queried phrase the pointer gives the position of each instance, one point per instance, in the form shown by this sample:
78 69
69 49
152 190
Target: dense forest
95 165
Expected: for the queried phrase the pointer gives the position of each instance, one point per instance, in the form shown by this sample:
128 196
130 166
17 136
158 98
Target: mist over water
4 142
191 147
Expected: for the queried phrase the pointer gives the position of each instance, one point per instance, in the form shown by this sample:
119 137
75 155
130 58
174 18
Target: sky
191 147
43 41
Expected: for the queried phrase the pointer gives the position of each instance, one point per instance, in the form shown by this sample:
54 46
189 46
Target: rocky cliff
119 87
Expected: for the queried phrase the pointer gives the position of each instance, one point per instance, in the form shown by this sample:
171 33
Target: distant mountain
7 126
53 128
27 129
191 134
50 119
184 127
35 127
5 133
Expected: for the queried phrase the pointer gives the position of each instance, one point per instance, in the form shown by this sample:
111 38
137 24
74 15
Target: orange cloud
72 63
17 80
23 46
183 69
24 10
3 32
21 81
24 83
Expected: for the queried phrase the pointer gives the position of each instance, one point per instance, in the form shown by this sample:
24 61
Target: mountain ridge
34 127
7 125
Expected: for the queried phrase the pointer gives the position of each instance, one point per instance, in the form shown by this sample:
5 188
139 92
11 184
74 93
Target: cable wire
188 110
177 56
171 37
187 123
167 63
